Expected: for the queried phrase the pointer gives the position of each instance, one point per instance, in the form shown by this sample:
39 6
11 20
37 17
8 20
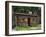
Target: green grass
35 25
17 28
22 28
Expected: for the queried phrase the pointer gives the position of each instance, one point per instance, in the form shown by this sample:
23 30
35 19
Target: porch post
29 22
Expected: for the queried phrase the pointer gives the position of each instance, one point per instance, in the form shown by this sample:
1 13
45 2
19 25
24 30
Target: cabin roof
23 14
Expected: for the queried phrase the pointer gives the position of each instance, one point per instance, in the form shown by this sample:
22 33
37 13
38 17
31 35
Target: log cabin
22 19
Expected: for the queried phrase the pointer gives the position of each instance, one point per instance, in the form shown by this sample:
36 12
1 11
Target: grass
17 28
35 25
22 28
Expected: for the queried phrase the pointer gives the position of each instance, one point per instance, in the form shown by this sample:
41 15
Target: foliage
26 9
